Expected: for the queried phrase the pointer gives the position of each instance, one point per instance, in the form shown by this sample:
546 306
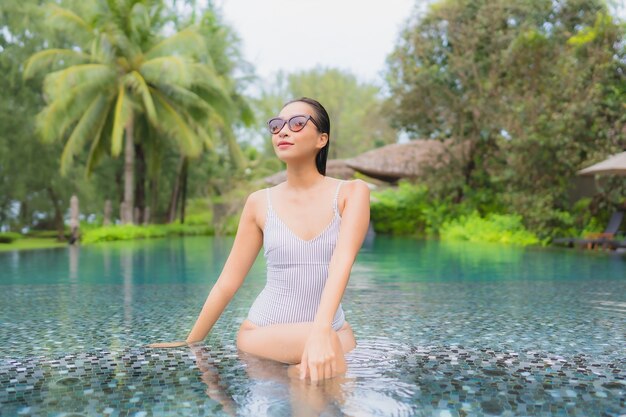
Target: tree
125 84
31 192
526 86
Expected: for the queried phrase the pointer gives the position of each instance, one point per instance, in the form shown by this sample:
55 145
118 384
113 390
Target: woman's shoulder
356 191
356 187
257 196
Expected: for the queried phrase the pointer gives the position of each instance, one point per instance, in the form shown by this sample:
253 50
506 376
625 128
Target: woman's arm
317 356
248 242
354 224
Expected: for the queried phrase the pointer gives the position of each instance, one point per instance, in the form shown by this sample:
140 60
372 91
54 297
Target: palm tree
122 80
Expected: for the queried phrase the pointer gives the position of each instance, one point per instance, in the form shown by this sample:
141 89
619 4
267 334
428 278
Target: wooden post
146 215
107 213
123 212
74 221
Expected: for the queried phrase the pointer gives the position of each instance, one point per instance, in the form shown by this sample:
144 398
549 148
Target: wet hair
323 126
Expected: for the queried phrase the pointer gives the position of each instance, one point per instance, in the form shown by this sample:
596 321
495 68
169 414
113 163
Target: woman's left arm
318 355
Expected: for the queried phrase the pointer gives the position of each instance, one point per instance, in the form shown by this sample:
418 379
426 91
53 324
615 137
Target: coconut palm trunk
140 182
129 173
183 197
175 196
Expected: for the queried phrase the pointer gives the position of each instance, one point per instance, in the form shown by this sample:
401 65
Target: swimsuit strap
269 201
336 199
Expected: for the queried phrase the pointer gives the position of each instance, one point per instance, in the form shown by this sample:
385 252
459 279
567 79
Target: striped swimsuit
297 270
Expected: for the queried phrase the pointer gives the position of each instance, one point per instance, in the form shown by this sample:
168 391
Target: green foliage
32 243
400 211
9 237
533 90
500 228
130 72
127 36
130 232
413 209
46 233
198 212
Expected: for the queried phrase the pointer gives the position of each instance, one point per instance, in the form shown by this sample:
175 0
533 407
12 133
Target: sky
355 35
292 35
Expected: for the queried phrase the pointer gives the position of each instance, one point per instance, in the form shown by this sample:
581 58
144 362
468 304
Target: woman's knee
346 336
243 335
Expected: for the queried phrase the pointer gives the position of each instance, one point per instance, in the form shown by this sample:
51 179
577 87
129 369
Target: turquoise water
444 329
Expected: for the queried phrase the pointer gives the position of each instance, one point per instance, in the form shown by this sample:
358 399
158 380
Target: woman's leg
285 342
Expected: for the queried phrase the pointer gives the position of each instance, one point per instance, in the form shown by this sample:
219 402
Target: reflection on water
442 329
269 388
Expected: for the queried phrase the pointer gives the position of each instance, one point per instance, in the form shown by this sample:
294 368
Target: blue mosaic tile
426 347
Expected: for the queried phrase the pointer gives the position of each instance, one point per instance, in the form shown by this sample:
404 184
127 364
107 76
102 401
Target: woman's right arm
248 242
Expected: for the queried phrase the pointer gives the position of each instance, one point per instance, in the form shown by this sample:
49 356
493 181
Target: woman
311 227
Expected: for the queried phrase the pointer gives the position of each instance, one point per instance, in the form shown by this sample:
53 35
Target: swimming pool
444 329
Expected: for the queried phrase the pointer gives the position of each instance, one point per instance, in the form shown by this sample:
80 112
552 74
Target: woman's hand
167 344
319 359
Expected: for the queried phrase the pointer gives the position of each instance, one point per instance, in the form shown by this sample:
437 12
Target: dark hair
323 126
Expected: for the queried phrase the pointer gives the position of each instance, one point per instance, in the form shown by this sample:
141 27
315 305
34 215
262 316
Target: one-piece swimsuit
297 271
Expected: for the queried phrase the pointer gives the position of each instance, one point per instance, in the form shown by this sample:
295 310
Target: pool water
443 329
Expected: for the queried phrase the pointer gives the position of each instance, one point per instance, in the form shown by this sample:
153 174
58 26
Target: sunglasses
295 123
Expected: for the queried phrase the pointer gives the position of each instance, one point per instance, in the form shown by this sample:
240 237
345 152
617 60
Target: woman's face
295 146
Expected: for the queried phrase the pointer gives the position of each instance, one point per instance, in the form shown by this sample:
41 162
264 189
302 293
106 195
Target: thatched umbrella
615 165
336 168
404 160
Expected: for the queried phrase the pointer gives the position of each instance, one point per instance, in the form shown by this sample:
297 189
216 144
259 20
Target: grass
32 243
131 232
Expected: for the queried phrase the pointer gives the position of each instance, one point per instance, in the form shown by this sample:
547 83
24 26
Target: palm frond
138 85
234 150
207 79
140 24
121 115
214 90
185 98
45 59
68 21
119 40
245 110
175 126
167 70
187 42
56 118
93 118
102 50
56 83
101 143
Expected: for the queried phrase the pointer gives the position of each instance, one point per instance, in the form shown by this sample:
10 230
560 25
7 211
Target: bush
9 237
400 211
411 209
500 228
129 232
49 234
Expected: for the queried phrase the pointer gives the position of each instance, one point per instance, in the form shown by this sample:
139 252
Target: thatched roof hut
336 168
404 160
